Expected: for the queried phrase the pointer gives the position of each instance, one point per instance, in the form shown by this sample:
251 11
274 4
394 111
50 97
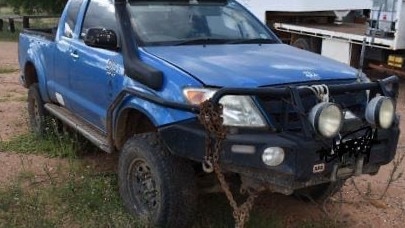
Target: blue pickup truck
191 90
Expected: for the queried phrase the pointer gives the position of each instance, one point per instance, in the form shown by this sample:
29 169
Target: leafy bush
38 6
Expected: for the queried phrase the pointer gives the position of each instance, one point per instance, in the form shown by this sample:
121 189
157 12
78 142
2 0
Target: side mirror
101 38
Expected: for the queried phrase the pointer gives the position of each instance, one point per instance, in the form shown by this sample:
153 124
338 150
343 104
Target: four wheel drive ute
183 89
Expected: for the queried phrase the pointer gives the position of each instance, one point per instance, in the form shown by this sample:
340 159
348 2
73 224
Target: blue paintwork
88 89
251 65
35 50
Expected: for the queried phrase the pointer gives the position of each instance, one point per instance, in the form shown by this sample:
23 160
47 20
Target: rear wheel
156 186
36 111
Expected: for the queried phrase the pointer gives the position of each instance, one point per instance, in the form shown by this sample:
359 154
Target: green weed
95 195
50 145
76 195
10 98
80 197
7 70
9 36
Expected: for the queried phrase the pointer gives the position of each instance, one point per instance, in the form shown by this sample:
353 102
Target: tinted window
72 13
99 14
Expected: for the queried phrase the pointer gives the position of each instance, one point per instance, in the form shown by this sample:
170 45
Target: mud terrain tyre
156 187
36 112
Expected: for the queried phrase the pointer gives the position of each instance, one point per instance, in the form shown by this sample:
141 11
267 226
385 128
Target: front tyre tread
173 177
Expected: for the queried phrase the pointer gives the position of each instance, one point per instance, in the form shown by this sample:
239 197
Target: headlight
273 156
239 111
326 118
380 112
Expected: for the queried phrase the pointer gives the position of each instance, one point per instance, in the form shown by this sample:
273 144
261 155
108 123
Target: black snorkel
134 67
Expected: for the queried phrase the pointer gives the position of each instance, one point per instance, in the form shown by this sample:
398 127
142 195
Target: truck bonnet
247 65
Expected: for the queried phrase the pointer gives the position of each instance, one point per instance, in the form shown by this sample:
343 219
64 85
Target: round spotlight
326 118
273 156
380 112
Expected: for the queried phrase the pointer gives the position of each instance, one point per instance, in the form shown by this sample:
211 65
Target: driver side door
95 70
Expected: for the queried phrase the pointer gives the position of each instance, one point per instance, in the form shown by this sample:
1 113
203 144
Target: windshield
157 23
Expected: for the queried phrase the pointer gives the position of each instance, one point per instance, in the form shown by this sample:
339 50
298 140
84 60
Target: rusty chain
210 117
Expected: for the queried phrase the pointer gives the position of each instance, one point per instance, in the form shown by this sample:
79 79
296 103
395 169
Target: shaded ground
350 210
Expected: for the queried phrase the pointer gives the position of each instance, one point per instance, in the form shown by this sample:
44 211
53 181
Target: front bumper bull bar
304 153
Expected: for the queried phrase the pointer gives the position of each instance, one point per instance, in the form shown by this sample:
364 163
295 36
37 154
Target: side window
99 14
71 18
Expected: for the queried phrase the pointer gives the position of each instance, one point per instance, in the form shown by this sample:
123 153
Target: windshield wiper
202 41
252 41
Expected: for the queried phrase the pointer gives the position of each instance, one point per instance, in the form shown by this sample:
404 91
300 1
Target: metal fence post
11 25
26 22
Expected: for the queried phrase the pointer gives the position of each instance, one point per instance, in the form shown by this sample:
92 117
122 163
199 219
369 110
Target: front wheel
156 186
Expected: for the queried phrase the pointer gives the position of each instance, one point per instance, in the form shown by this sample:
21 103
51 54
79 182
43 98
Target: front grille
283 115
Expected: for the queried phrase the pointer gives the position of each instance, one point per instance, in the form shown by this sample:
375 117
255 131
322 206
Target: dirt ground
351 210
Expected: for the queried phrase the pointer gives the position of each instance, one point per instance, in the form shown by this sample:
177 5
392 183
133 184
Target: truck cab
183 89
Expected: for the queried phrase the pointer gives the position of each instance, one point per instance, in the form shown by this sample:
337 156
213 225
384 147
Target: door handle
74 55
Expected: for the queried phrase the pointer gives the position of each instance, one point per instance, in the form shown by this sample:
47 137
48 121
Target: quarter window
99 14
71 18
